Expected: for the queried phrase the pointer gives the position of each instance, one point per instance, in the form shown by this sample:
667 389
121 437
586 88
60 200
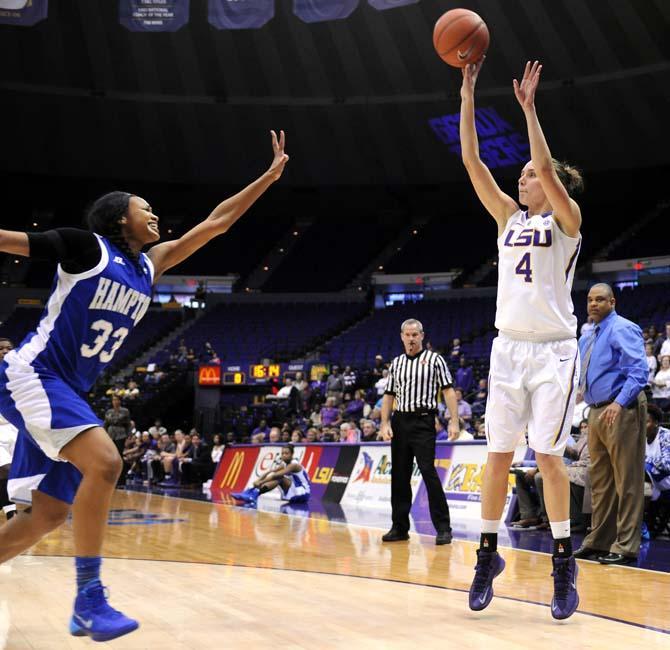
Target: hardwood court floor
200 575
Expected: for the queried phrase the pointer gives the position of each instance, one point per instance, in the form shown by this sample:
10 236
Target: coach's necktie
586 359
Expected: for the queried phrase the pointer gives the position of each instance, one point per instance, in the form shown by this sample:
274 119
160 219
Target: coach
614 374
413 383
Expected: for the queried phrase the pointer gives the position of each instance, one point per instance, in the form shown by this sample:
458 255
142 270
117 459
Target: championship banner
235 469
318 11
240 14
23 12
153 15
381 5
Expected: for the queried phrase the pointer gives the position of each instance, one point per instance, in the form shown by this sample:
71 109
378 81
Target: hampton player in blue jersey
8 435
289 476
64 459
535 363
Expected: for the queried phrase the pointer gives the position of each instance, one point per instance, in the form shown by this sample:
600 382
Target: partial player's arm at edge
566 211
165 256
15 243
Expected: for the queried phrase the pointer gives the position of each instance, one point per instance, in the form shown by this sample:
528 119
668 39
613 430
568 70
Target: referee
413 383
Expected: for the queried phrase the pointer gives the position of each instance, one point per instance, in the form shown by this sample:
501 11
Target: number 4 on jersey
524 268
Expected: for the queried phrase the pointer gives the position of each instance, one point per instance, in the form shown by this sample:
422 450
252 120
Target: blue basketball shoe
489 566
247 496
566 599
94 617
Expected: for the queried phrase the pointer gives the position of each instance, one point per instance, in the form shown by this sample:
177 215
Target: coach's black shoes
586 553
395 535
443 537
617 558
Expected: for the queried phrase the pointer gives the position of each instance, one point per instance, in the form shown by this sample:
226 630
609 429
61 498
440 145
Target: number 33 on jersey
536 266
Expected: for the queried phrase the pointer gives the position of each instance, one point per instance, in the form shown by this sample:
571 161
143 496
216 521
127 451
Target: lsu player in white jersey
8 434
64 458
534 371
288 475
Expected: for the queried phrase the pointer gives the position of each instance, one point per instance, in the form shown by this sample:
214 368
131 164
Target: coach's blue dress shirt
618 368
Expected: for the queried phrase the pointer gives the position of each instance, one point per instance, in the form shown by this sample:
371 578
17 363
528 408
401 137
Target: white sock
11 507
491 526
560 529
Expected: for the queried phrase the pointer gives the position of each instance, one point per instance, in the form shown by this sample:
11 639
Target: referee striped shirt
415 381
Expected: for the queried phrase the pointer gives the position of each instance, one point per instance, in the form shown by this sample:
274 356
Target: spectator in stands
480 430
335 385
296 436
157 430
275 436
197 466
580 480
191 358
657 453
262 428
217 448
132 455
463 434
259 438
310 435
300 382
380 384
652 335
286 435
662 346
660 391
464 409
455 352
441 432
369 432
330 414
349 379
379 367
117 423
464 376
292 396
182 350
652 363
154 462
349 433
355 409
132 392
530 498
171 460
208 353
479 399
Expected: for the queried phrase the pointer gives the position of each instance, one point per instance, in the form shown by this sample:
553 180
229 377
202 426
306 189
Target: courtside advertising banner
370 482
235 470
23 12
240 14
153 15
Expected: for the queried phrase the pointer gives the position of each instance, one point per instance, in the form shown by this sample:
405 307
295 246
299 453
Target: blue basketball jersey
88 317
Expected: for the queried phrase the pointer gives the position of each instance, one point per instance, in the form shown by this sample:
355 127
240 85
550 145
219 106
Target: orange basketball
460 37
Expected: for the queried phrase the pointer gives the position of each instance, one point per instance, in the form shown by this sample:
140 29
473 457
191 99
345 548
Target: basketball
460 37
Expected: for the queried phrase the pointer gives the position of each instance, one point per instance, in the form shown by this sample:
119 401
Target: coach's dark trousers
414 437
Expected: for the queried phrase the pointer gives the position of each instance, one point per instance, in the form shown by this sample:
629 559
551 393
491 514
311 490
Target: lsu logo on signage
209 376
233 471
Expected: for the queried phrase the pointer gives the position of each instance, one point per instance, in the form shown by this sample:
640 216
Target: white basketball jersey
536 266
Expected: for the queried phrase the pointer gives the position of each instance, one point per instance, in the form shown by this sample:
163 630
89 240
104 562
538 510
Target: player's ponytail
104 218
570 176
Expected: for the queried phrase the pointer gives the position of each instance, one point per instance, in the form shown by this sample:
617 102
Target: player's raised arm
169 254
499 205
14 242
566 211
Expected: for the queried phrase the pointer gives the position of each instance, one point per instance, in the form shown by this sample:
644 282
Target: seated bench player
289 476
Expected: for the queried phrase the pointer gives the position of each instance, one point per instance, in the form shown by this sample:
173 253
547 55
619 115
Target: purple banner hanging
381 5
153 15
318 11
240 14
23 12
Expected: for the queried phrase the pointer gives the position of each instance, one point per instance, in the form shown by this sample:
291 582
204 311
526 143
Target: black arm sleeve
76 250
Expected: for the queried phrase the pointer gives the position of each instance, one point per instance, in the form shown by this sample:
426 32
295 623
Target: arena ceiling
82 96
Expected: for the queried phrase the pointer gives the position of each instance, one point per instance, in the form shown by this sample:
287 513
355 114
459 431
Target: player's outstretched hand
470 74
525 91
280 158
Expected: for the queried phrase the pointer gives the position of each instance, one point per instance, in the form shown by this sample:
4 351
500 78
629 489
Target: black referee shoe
395 535
443 537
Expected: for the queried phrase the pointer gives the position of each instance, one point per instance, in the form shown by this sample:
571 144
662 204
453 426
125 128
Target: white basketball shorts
7 442
532 387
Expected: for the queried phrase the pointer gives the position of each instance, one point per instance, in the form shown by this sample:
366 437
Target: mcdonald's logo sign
235 468
233 471
209 376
